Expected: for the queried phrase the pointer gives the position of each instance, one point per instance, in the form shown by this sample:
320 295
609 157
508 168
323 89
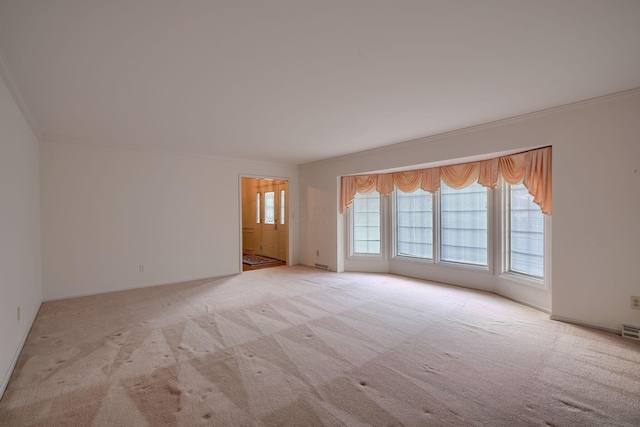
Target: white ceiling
293 81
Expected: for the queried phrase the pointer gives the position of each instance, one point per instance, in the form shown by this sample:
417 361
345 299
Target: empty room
319 213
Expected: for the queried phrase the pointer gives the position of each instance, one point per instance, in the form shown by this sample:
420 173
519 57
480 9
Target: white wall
596 190
20 279
105 211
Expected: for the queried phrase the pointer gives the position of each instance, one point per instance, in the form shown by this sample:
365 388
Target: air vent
632 332
322 267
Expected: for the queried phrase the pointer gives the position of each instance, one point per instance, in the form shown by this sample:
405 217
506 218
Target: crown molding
46 138
493 124
7 76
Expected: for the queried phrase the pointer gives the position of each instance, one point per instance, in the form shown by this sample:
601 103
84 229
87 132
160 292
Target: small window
414 224
282 207
257 208
366 224
269 207
464 230
525 233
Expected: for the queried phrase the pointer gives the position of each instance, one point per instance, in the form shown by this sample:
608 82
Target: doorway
265 224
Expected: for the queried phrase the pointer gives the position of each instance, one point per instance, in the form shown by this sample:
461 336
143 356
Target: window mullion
437 240
505 226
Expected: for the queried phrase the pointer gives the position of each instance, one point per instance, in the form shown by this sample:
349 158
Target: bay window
452 227
474 215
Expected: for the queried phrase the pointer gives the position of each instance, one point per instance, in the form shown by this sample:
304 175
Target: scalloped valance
532 168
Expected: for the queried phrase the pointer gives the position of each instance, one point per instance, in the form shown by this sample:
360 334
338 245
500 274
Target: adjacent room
319 213
265 228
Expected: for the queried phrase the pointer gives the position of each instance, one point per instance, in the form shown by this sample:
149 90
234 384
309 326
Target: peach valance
532 168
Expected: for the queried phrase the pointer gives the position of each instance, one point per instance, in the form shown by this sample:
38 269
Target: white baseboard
7 375
528 304
587 324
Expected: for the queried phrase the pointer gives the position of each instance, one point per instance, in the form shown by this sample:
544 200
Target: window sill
366 257
445 264
415 260
484 269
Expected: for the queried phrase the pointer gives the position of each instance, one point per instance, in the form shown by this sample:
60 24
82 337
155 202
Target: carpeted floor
297 346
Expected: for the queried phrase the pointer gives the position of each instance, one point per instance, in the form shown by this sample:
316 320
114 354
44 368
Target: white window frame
394 231
461 265
505 244
436 256
383 232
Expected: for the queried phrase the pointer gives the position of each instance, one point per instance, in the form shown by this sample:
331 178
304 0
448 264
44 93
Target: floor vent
632 332
322 267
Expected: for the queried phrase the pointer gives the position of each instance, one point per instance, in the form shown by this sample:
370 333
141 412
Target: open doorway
265 223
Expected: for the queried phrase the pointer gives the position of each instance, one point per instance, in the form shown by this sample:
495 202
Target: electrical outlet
18 314
141 268
635 302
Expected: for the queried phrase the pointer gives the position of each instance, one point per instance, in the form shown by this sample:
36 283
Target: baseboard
7 375
528 304
587 324
129 288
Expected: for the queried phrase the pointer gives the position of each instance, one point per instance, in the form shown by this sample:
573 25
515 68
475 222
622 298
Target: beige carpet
297 346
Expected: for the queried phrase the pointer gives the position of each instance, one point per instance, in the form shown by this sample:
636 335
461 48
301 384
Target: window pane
257 208
282 207
526 234
366 223
414 224
463 219
269 207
